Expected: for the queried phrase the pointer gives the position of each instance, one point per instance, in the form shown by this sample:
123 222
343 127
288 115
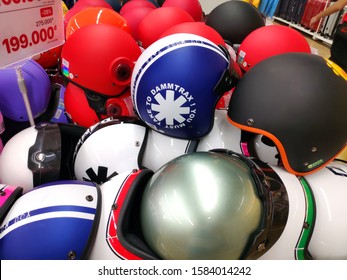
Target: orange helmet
96 15
100 58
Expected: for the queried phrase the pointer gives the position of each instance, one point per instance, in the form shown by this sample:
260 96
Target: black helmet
297 100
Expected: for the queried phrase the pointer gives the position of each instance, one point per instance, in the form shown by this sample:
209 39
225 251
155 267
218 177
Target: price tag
29 27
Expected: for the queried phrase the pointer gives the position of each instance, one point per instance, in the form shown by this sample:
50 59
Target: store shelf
314 35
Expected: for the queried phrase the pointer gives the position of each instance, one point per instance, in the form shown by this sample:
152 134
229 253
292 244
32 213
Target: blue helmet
177 82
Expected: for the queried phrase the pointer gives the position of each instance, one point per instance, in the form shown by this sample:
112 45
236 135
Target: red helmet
192 7
100 58
96 15
268 41
49 58
159 20
134 16
197 28
135 4
87 109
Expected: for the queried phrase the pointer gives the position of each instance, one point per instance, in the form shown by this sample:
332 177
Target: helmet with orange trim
95 15
268 41
55 221
177 82
39 154
289 99
100 58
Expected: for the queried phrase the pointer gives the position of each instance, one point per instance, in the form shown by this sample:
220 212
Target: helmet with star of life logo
39 154
54 221
134 197
101 153
100 58
177 82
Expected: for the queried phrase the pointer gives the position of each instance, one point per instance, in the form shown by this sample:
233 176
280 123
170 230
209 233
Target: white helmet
39 154
161 148
108 148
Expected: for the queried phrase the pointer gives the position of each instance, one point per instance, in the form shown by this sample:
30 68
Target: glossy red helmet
268 41
100 58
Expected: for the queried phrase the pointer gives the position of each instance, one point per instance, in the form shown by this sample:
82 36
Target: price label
29 27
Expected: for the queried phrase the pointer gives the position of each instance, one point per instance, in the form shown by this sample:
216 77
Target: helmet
95 15
159 20
134 16
234 20
56 221
38 87
107 245
108 148
177 82
49 58
103 66
197 28
130 5
161 148
209 205
268 41
81 5
35 155
280 97
192 7
86 108
148 3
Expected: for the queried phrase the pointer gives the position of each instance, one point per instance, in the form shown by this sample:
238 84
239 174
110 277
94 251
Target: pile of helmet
186 136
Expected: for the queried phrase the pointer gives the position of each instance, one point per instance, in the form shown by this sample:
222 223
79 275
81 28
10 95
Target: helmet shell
234 20
103 65
159 20
96 15
184 217
56 221
38 87
288 98
81 5
108 148
173 85
268 41
192 7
